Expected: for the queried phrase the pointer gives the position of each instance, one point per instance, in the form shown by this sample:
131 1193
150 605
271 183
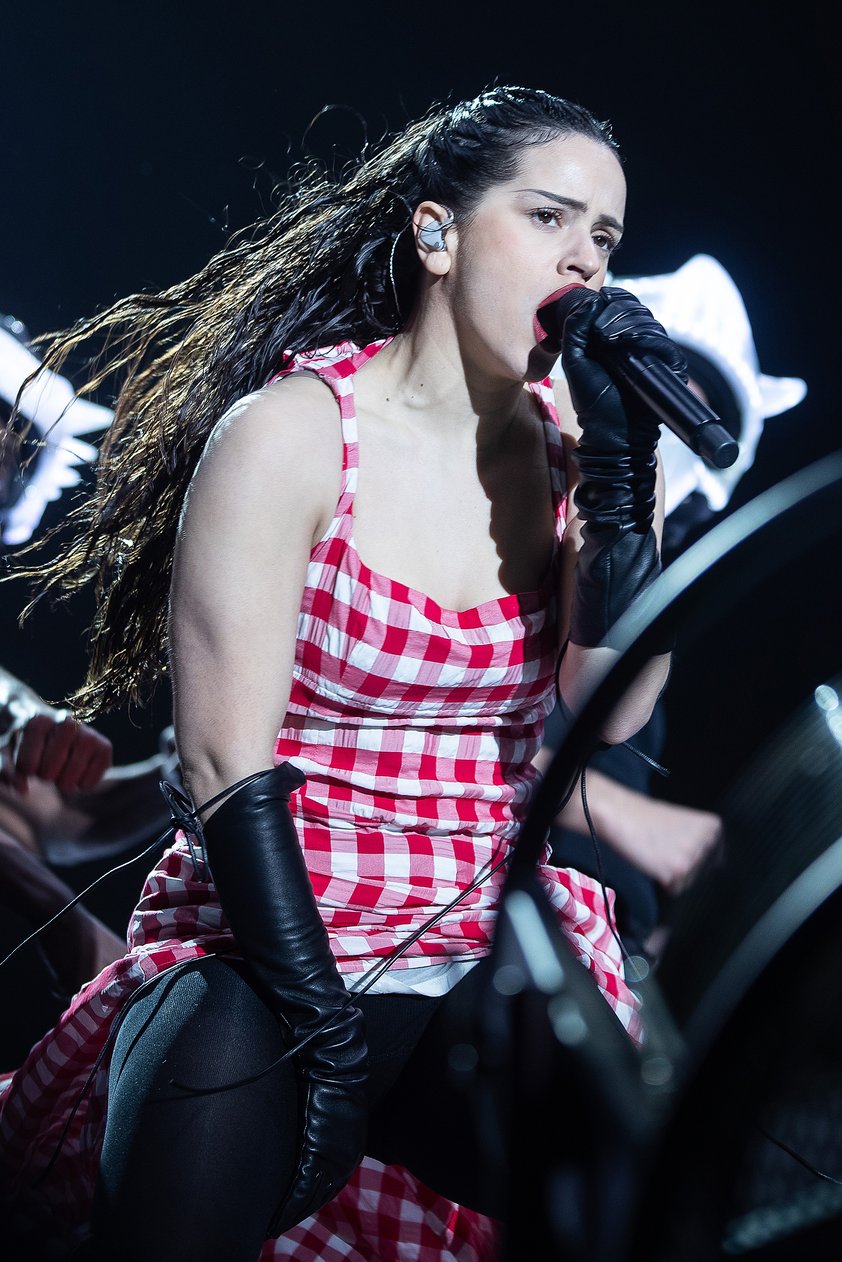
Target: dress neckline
509 605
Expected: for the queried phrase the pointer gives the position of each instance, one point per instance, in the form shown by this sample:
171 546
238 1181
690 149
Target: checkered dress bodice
415 726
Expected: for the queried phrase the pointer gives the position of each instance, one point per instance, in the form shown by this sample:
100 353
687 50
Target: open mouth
546 334
547 341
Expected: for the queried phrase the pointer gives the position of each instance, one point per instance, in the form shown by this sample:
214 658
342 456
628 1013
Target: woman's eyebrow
573 204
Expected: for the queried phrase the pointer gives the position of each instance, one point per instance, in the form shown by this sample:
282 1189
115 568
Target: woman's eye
605 242
547 215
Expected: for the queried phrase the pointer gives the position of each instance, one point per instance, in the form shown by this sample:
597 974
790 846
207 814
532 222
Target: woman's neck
421 373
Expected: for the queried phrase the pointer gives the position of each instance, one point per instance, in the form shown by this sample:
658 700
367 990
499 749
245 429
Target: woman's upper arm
262 494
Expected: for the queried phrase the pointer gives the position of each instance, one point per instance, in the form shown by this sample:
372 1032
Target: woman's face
554 224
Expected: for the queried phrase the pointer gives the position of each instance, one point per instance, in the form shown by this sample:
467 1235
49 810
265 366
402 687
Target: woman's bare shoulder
287 433
296 414
274 451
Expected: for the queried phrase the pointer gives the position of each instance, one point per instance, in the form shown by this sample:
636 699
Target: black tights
199 1176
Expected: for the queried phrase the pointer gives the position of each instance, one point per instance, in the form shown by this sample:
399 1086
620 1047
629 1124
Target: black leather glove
616 457
258 867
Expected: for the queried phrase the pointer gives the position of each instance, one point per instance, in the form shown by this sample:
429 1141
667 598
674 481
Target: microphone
673 402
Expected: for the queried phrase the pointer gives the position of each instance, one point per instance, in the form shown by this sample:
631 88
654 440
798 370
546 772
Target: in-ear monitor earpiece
432 234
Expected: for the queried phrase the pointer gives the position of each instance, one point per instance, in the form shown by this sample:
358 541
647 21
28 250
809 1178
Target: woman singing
341 505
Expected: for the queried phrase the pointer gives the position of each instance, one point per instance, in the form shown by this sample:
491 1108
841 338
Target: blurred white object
702 310
57 417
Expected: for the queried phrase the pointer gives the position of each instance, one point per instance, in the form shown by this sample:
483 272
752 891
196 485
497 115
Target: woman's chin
541 359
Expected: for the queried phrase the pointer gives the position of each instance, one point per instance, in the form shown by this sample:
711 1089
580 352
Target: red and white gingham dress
415 726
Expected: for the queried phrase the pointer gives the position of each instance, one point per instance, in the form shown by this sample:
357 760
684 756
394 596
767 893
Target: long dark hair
331 263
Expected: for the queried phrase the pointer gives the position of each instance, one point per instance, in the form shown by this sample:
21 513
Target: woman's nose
582 258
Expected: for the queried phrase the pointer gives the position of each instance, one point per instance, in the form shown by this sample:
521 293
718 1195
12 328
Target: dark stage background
134 137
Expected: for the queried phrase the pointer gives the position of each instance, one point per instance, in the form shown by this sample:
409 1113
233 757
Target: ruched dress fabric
415 726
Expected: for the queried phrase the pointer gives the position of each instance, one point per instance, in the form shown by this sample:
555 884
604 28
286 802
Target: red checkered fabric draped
415 726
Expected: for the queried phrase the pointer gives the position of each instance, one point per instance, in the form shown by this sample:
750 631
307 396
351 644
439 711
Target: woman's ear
435 236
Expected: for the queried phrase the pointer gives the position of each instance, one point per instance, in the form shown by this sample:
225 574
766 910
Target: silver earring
432 234
392 270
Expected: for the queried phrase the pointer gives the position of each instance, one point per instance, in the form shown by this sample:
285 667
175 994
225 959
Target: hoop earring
432 234
397 238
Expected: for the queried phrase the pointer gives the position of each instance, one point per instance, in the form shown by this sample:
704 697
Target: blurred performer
41 450
61 800
69 801
40 454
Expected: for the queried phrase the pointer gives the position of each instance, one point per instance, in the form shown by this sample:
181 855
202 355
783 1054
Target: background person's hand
59 749
665 840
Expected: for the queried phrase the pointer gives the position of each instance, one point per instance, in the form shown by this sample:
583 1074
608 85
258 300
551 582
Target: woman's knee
194 1119
199 1018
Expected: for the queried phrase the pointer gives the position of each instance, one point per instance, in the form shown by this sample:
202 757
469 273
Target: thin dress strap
337 368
